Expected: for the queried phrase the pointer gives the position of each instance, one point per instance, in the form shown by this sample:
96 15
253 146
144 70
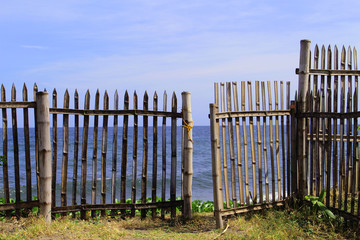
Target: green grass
302 223
270 224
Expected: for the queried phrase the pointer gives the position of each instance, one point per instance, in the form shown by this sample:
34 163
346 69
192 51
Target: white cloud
34 46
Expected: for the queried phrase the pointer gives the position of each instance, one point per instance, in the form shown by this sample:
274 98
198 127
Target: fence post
188 155
43 124
215 167
303 89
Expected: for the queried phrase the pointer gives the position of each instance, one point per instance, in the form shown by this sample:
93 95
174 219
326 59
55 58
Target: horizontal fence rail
256 146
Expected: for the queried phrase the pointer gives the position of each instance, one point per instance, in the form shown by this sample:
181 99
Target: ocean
202 178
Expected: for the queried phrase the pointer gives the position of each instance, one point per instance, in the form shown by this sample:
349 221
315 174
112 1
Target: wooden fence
316 150
259 171
81 149
328 153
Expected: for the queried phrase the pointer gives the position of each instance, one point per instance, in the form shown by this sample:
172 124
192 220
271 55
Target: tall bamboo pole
216 171
303 89
188 154
43 123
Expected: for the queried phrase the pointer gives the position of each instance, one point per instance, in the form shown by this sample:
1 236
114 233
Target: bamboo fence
64 189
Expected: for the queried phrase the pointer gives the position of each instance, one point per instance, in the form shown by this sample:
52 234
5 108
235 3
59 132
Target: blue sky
162 45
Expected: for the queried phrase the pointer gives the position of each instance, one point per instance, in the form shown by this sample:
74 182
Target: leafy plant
2 160
200 206
318 205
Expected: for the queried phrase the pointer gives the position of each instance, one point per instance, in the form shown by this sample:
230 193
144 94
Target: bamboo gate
315 145
327 114
258 148
42 161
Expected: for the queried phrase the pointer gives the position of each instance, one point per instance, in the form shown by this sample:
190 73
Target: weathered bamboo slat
349 132
16 150
54 151
65 152
254 114
84 154
104 151
288 139
114 148
273 191
183 130
252 139
173 156
342 127
259 141
328 131
314 159
246 156
277 140
155 140
283 139
18 104
124 151
231 145
95 152
27 147
252 208
86 112
355 145
5 147
313 150
134 159
322 129
218 145
145 155
317 163
238 144
118 206
316 66
294 149
36 146
163 150
335 130
307 142
76 150
354 154
266 168
343 115
332 72
20 205
224 148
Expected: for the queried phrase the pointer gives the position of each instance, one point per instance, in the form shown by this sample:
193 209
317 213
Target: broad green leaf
322 195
